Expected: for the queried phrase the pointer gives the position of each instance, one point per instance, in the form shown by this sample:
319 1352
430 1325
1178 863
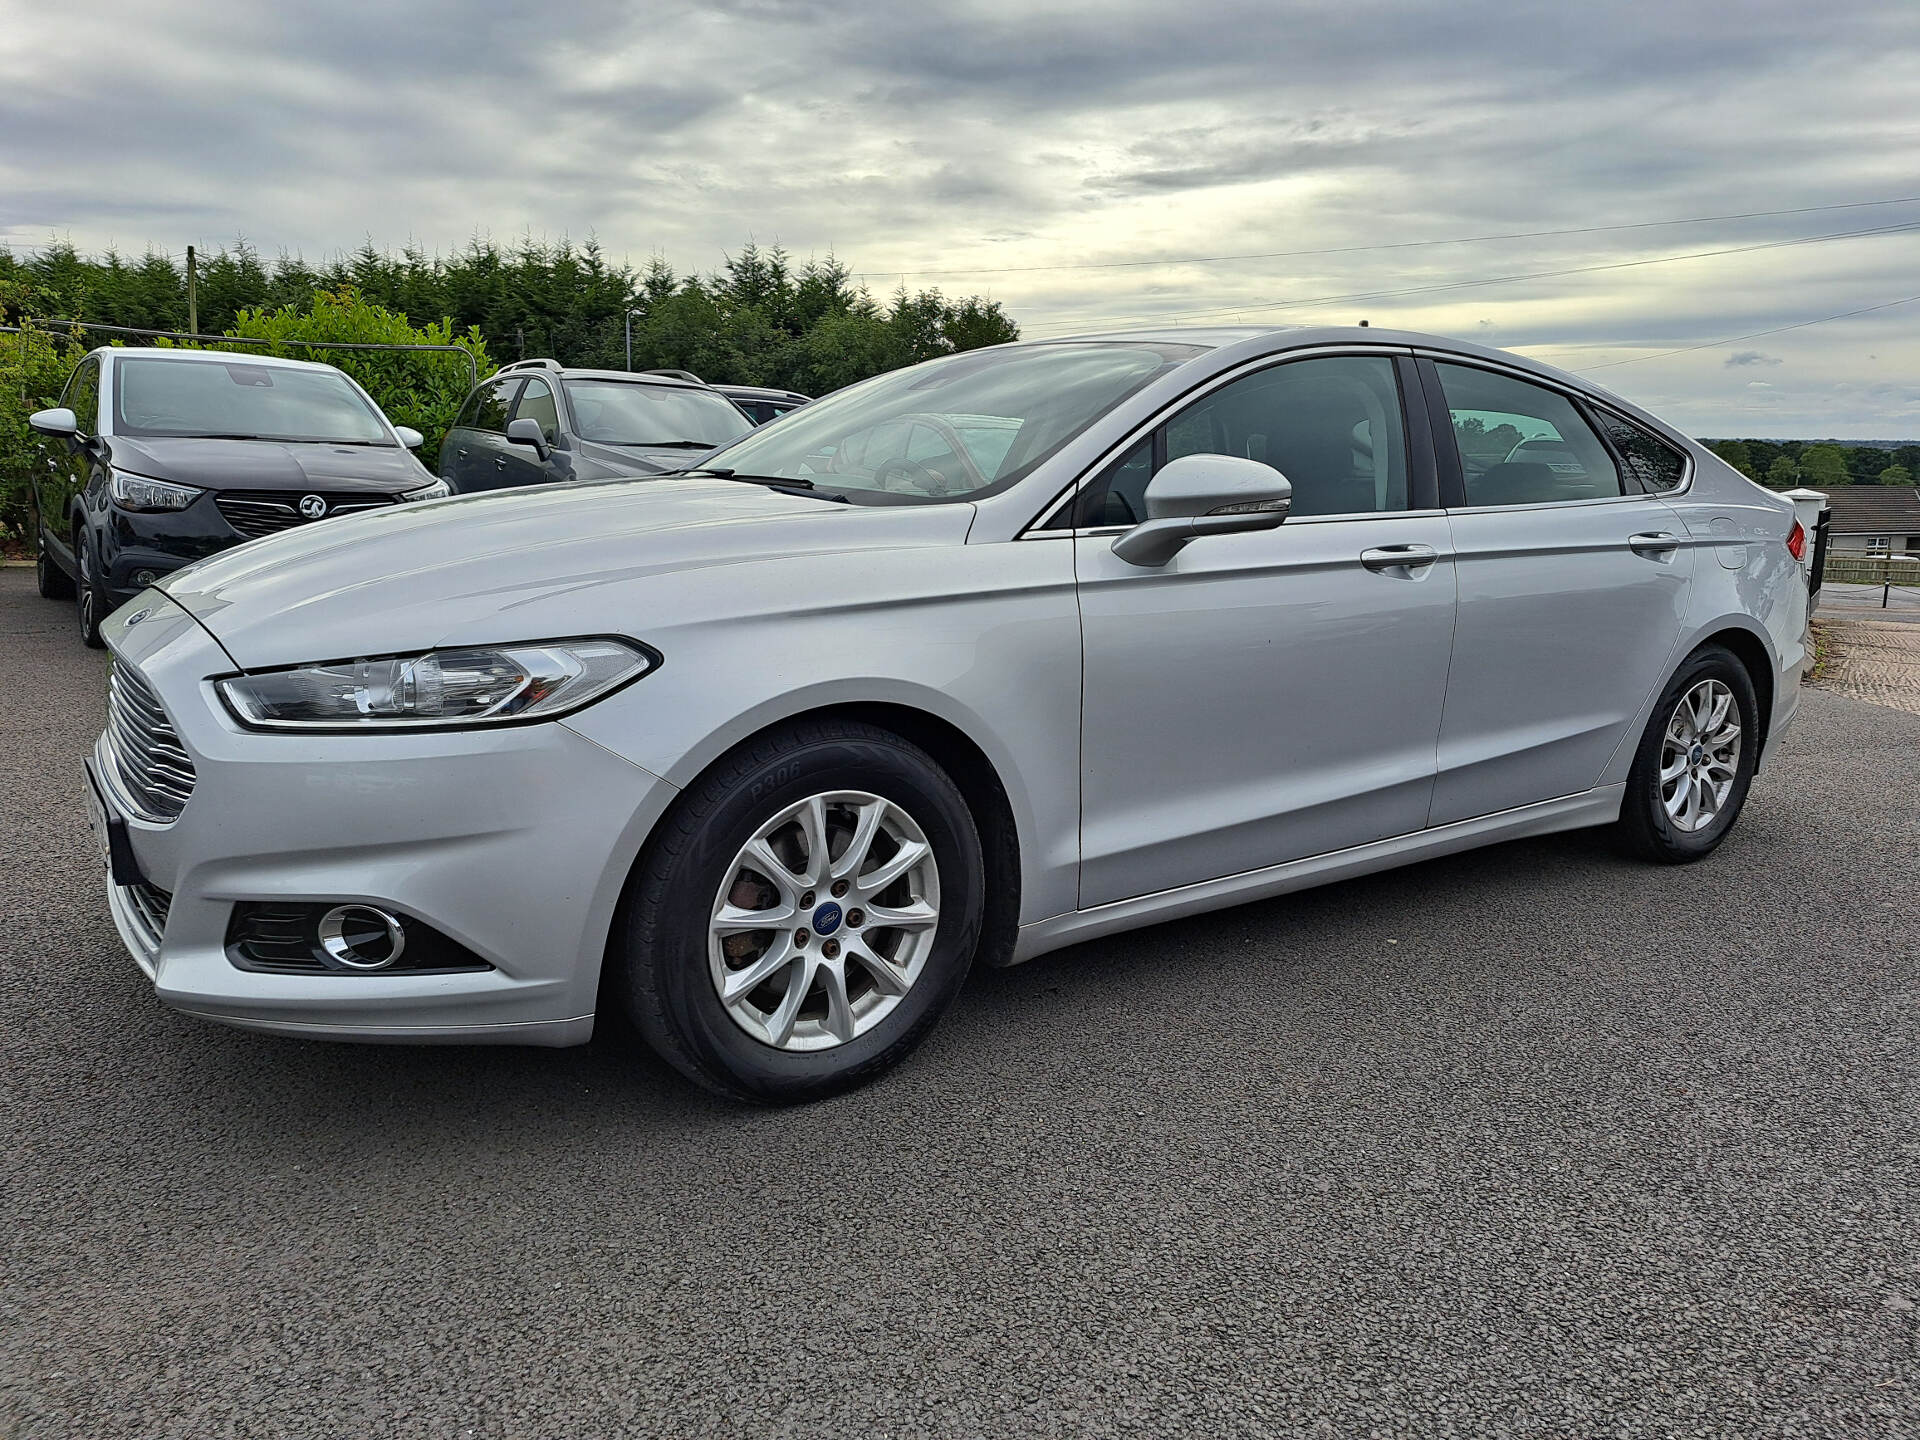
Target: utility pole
193 304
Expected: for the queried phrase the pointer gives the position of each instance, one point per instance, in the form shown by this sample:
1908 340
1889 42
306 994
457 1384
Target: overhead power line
1255 306
1392 245
1755 335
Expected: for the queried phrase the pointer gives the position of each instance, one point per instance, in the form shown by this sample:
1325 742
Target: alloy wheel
1700 756
824 920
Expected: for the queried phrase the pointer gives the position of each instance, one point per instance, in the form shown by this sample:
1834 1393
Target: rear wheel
90 605
804 915
55 583
1695 763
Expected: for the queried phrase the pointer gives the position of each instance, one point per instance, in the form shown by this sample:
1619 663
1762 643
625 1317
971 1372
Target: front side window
1653 462
955 428
536 404
1331 425
621 412
235 400
83 396
1523 444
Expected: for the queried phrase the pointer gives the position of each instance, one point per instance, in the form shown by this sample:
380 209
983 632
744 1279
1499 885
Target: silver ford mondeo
968 662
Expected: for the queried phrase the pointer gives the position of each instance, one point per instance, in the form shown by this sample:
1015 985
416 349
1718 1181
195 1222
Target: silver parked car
970 661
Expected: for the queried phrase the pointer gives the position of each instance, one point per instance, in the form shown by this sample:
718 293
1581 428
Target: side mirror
60 423
527 432
1204 495
410 437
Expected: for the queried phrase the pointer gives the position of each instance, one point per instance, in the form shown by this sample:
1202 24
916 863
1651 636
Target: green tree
1782 474
1736 454
1824 465
1896 475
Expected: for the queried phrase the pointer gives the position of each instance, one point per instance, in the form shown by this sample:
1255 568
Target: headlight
481 685
438 490
136 492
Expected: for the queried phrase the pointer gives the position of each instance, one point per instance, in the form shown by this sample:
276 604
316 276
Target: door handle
1654 542
1398 557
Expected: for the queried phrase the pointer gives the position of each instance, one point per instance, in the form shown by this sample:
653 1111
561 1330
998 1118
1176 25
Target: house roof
1874 509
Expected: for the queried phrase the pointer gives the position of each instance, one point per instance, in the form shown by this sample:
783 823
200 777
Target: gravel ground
1534 1141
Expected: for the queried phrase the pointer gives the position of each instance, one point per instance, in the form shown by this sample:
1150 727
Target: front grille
265 512
147 907
154 774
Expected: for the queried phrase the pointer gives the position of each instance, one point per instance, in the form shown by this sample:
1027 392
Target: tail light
1797 541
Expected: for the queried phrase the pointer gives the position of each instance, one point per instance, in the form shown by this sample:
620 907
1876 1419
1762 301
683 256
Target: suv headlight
477 685
137 492
438 490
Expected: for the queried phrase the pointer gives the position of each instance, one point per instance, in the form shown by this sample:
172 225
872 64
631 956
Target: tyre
1695 763
55 583
89 604
803 915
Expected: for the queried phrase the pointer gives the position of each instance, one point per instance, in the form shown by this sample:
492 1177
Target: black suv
157 458
535 421
761 402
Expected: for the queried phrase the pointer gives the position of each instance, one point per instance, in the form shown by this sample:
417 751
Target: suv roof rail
531 365
677 375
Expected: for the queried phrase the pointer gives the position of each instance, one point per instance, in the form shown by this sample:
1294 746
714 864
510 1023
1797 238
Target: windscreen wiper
666 444
791 484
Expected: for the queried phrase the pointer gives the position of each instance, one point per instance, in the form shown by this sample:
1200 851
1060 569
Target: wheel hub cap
803 976
1700 756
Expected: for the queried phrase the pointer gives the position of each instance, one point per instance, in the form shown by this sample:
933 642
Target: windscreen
230 399
615 412
953 428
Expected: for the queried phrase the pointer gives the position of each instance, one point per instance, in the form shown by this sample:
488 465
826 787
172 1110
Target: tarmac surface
1533 1141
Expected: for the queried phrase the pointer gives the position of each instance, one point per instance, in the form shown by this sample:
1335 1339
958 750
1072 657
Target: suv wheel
55 583
804 915
89 603
1695 763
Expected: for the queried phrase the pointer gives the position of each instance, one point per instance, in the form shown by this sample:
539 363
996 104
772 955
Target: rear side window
1523 444
1652 461
496 403
536 404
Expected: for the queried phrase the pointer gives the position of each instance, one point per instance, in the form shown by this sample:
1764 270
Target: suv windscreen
954 428
614 412
231 399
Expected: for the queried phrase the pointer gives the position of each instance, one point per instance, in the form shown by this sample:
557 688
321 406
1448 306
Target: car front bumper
515 842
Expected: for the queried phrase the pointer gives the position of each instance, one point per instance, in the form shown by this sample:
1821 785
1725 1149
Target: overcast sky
952 143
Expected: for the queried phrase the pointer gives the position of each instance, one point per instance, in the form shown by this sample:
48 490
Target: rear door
477 444
1573 589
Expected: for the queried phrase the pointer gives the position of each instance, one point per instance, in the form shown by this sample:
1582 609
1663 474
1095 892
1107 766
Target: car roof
761 392
223 357
1252 341
625 377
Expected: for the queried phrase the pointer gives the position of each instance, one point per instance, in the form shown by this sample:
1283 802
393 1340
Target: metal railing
44 327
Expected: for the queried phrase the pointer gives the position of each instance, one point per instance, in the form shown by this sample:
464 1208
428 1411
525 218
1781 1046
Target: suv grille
264 512
148 760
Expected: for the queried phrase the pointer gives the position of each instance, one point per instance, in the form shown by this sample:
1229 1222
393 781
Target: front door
1264 697
1573 592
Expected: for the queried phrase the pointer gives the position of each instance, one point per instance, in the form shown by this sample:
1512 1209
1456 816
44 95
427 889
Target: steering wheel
926 481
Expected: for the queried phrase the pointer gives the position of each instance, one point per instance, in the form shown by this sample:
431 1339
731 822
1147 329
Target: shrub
33 370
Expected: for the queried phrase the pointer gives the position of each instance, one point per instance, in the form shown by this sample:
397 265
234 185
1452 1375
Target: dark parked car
158 458
535 421
762 403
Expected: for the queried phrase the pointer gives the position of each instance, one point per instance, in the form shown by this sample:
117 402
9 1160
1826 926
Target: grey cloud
1751 357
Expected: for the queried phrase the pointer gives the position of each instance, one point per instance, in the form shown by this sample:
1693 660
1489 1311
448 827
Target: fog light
143 578
362 937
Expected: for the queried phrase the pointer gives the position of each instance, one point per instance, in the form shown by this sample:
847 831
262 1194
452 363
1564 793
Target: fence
1854 569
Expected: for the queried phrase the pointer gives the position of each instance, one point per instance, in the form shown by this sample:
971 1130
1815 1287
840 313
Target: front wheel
804 914
1695 763
90 606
